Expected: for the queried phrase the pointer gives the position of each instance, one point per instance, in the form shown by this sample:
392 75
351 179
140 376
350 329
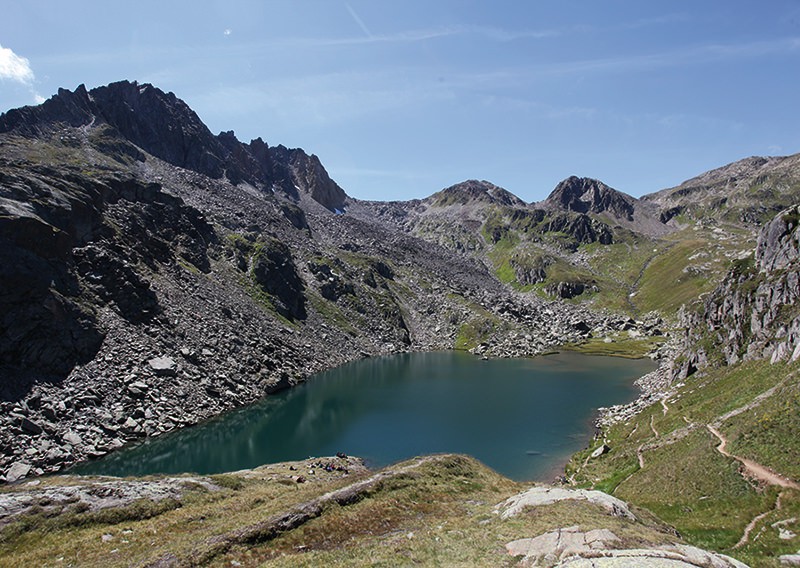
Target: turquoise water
522 417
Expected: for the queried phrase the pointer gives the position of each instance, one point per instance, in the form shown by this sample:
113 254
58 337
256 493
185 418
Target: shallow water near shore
522 417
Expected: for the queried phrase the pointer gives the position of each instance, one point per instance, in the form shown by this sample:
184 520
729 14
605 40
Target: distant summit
749 191
164 126
587 195
472 191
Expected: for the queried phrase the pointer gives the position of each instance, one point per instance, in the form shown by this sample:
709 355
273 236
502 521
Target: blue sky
401 99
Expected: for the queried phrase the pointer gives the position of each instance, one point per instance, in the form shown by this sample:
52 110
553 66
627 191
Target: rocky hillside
747 192
753 313
145 119
155 275
722 440
532 247
586 243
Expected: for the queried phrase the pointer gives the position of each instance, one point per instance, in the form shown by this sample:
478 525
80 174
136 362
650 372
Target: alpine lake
522 417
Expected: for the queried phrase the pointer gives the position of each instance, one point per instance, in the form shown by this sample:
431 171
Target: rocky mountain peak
471 191
587 195
66 107
161 124
166 127
312 178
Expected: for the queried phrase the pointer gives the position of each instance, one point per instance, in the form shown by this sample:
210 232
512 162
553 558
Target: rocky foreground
437 510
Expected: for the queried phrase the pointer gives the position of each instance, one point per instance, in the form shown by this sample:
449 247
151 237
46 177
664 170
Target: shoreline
86 428
138 461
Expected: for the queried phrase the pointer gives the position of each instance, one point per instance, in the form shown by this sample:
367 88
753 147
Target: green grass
472 333
622 346
764 550
439 511
770 434
688 264
618 265
331 313
500 255
480 325
701 492
667 282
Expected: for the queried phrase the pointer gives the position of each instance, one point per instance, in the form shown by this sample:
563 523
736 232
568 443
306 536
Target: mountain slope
527 246
722 442
748 192
141 294
165 127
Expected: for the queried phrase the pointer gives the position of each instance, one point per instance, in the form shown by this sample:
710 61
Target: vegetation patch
331 313
702 493
621 345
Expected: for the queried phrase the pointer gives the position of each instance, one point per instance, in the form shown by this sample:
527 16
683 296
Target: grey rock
49 413
30 426
72 438
162 366
17 471
537 496
790 559
745 317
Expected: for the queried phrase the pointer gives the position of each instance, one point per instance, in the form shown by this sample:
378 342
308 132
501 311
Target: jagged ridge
164 126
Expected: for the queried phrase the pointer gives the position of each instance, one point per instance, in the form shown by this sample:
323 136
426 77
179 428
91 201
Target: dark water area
522 417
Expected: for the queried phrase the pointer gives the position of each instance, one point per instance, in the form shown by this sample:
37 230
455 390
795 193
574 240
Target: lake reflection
522 417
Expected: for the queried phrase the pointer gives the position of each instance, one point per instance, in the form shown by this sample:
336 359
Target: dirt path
759 472
653 428
753 469
640 456
749 528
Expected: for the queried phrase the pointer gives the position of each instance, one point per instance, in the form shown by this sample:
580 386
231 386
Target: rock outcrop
597 200
586 195
753 313
471 191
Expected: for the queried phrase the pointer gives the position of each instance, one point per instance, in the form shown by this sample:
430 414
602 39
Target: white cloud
14 67
227 32
18 69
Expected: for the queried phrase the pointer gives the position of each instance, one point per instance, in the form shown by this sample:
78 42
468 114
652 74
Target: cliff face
753 313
